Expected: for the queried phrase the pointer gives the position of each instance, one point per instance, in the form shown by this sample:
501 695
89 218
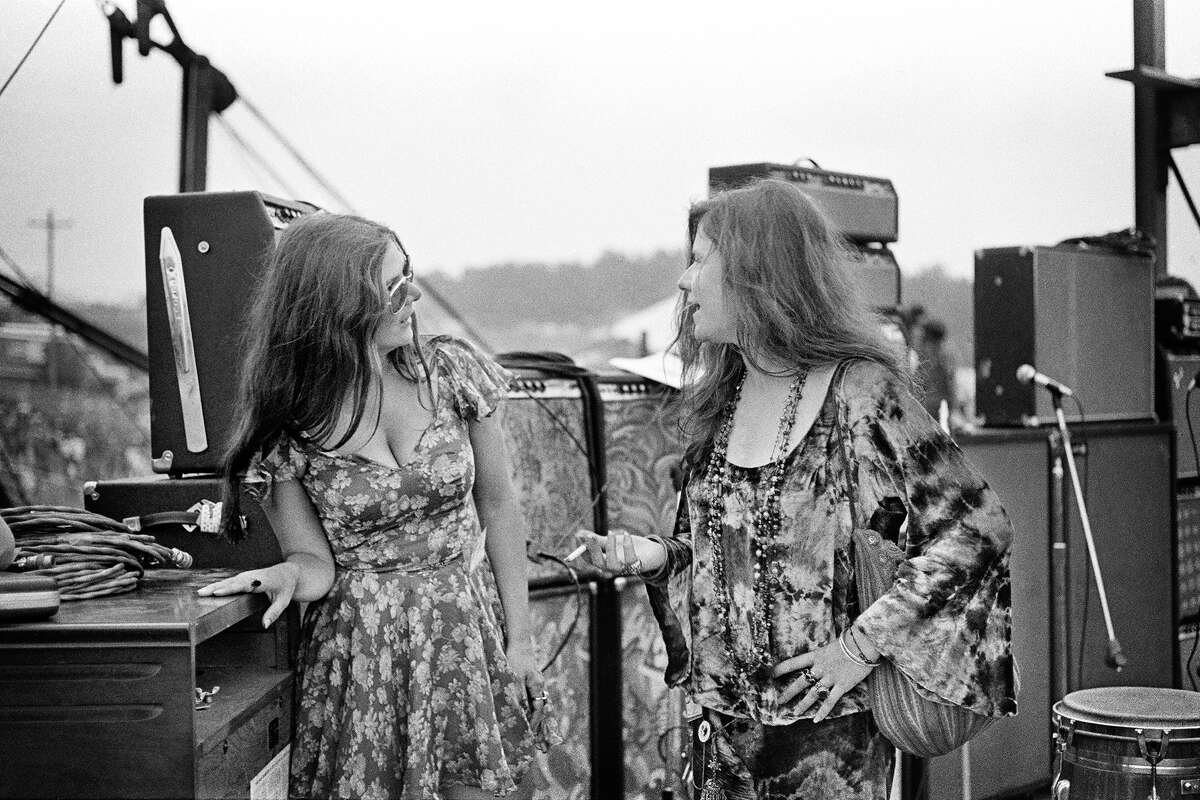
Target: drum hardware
1153 751
1125 742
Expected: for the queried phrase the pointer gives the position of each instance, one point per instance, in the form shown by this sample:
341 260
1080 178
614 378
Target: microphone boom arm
1115 659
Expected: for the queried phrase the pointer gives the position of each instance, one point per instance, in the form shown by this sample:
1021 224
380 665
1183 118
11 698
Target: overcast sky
552 131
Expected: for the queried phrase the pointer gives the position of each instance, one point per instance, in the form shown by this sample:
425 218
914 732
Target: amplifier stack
865 210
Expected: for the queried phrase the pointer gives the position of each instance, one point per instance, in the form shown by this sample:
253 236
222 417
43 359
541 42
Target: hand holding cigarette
619 553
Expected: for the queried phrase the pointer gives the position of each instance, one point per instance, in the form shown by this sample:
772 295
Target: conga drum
1127 742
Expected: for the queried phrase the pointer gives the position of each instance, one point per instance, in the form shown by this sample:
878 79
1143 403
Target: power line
426 286
25 279
21 63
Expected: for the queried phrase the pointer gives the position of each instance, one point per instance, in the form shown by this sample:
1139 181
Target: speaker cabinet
1127 470
1175 372
122 498
1187 556
1084 317
1013 755
195 314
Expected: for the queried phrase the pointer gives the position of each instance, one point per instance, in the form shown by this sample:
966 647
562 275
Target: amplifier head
863 208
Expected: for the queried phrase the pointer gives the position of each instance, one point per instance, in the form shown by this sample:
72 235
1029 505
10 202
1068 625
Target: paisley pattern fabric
946 623
403 682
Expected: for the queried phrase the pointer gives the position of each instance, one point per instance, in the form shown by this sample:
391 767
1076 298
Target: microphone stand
1115 659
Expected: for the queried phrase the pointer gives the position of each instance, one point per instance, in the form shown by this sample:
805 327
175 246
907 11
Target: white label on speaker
271 782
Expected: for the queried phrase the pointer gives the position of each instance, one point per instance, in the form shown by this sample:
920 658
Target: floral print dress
945 623
403 683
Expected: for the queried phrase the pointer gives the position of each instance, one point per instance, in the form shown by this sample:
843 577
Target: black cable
1192 673
312 171
21 63
254 154
1183 187
579 601
1187 413
561 423
426 286
25 279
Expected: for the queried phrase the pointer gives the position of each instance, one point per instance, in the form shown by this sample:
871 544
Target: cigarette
576 553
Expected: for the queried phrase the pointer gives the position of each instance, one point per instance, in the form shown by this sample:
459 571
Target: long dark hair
788 284
309 343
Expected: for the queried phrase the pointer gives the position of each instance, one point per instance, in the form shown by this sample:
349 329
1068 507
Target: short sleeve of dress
478 384
283 461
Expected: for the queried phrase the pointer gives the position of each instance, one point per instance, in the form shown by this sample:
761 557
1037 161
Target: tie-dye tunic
403 682
946 621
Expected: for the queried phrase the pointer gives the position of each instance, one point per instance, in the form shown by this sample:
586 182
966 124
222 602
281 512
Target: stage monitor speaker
1082 316
195 310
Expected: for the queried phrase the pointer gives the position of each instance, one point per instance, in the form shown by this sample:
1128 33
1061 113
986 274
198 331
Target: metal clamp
1153 750
204 699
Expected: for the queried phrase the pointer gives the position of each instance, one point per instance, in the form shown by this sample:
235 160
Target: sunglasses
397 293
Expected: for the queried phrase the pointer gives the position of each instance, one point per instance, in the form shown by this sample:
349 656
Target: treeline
566 306
585 295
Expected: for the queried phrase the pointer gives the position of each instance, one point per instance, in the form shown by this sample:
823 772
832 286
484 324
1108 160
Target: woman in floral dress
791 397
381 467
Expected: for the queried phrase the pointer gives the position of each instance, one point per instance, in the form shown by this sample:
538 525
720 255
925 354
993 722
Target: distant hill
566 306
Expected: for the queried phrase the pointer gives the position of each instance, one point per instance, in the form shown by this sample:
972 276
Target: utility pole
51 224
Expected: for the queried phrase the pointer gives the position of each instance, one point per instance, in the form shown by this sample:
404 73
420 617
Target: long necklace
767 564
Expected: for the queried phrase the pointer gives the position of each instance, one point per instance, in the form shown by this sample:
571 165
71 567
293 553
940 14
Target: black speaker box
1082 316
1187 556
1175 373
1127 470
223 241
141 497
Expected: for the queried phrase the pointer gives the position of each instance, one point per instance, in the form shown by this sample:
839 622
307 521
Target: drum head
1133 707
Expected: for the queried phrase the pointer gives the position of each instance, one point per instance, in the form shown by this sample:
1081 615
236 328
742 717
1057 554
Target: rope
255 155
320 179
25 279
21 63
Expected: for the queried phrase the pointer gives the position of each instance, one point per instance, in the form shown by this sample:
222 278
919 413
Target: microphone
1027 374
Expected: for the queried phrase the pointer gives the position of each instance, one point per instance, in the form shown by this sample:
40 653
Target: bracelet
862 653
857 659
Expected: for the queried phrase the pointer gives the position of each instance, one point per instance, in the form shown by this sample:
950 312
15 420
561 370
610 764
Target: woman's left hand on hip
823 675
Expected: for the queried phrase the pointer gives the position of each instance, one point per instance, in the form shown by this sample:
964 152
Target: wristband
862 653
857 659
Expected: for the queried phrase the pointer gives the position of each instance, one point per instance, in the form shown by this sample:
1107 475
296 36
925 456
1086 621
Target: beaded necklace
767 566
